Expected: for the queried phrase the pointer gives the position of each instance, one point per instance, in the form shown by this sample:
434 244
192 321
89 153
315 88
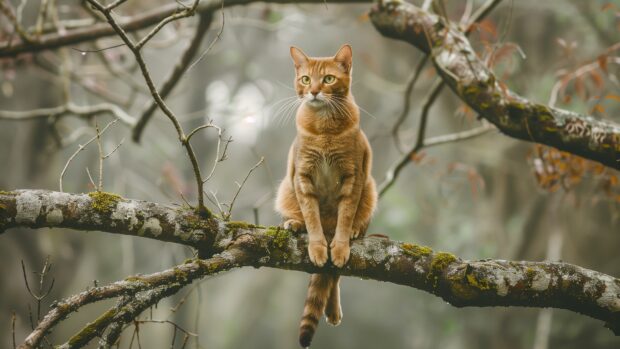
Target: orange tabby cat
328 188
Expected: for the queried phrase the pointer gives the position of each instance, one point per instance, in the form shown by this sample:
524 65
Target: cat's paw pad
340 251
317 250
294 225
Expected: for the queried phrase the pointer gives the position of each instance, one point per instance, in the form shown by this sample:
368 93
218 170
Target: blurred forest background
480 198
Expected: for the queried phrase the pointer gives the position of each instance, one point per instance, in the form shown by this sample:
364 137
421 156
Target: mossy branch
236 244
470 78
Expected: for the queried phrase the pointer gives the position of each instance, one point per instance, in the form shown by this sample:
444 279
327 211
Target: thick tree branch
153 287
475 83
129 24
458 281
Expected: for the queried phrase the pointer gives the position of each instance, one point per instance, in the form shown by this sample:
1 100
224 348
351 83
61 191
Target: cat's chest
327 178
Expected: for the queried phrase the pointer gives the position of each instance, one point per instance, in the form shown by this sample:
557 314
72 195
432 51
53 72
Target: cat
328 189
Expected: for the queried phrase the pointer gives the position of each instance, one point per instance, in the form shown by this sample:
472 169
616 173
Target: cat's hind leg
288 207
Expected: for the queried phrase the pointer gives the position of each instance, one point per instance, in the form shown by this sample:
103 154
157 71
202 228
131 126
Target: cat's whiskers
338 104
285 107
343 99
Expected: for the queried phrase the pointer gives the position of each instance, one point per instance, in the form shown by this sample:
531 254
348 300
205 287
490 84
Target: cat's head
322 81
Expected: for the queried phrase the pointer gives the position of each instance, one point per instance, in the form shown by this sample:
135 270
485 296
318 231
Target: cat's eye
328 79
305 80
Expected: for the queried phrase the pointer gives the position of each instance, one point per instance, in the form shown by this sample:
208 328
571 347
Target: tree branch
69 109
474 83
458 281
91 32
175 75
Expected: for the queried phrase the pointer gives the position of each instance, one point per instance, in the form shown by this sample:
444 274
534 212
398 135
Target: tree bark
143 20
458 281
469 77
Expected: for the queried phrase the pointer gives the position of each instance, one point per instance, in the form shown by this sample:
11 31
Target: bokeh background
478 198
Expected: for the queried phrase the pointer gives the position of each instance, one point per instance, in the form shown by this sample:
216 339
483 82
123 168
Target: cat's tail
323 292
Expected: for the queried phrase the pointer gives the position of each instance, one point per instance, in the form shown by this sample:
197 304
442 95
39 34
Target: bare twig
407 103
459 136
178 15
13 318
69 109
482 12
175 75
240 186
90 178
83 31
80 148
100 149
201 208
216 39
5 8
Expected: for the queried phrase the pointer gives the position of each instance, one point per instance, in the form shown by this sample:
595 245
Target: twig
155 285
240 186
459 136
217 203
69 109
175 75
178 15
41 17
89 31
100 149
80 148
13 318
216 39
5 8
115 149
407 103
83 52
482 12
90 178
201 208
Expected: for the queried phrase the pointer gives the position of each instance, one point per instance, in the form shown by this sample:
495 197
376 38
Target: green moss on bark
92 329
416 251
479 283
104 202
440 262
279 236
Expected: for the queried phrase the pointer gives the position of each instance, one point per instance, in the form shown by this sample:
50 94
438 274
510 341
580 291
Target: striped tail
319 293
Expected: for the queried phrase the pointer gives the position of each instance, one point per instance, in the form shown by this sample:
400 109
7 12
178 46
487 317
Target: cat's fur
328 188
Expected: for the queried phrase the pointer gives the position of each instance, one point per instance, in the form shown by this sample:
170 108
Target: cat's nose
314 93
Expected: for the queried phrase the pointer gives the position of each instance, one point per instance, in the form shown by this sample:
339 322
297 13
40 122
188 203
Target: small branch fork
472 80
135 49
435 91
229 245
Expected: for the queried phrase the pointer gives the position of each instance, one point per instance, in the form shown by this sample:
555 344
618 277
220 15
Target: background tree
218 74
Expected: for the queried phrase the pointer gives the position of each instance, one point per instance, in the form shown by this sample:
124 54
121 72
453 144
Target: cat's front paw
294 225
317 250
340 251
355 233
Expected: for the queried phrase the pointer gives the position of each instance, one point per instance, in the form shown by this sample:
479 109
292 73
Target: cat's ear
344 56
299 57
